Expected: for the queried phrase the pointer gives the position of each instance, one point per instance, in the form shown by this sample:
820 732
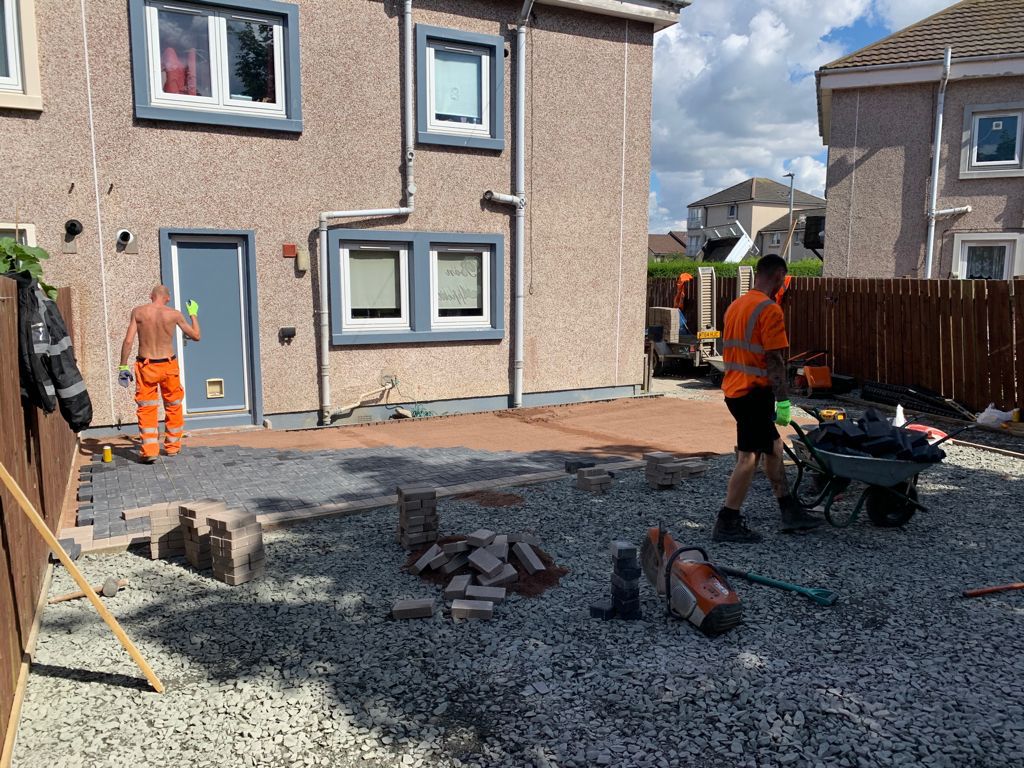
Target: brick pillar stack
417 516
593 479
236 545
193 516
166 536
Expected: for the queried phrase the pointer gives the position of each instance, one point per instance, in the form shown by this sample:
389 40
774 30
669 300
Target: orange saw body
694 589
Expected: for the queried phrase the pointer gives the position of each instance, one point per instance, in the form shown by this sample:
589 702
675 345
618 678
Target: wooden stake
40 525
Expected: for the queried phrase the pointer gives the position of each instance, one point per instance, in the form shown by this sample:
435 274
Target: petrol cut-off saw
694 589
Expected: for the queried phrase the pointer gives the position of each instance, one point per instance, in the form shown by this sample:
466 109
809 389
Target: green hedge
806 268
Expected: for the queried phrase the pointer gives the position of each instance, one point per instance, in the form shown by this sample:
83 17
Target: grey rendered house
772 237
878 112
754 204
356 193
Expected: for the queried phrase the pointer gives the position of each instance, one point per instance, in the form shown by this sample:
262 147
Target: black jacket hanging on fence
49 371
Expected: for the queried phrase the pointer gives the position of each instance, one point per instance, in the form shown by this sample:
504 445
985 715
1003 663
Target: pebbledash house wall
879 163
587 164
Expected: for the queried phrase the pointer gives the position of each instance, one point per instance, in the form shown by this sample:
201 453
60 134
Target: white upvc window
996 139
458 88
23 233
10 47
695 218
375 286
776 238
215 60
460 286
987 255
732 212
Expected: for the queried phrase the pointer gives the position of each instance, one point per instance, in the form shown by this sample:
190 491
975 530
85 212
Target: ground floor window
391 287
986 256
23 233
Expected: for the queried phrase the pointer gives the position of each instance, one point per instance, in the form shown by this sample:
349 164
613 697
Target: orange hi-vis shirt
680 296
754 324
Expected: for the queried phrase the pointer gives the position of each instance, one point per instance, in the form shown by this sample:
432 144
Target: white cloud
734 93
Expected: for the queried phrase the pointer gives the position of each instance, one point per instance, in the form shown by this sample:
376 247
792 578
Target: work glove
783 413
192 308
124 376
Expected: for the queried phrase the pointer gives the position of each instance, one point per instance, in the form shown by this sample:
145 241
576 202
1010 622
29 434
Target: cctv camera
124 237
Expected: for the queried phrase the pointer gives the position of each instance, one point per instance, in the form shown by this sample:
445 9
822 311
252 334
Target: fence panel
961 338
38 450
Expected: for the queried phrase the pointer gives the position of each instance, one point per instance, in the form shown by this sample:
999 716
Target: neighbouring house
336 184
666 247
753 204
772 237
878 111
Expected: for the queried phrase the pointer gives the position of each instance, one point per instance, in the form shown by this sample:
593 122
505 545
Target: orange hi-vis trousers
153 380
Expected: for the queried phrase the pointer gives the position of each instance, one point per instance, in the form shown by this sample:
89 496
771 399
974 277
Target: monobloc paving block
507 575
528 557
457 561
499 550
424 562
490 594
454 547
416 493
413 609
472 609
602 609
440 559
658 456
484 562
623 549
480 537
457 587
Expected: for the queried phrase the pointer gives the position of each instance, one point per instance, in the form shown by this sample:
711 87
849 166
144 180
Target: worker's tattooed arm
777 373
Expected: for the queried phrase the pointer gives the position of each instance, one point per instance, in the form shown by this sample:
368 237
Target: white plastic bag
899 419
993 417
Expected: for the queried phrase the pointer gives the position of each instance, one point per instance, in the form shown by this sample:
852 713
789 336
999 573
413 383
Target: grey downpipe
519 201
936 152
326 216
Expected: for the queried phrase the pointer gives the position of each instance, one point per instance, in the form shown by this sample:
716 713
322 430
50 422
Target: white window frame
13 82
695 218
976 119
1014 241
436 321
775 238
220 78
400 323
29 230
446 126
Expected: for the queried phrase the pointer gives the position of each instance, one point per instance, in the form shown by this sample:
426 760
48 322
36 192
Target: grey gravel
303 667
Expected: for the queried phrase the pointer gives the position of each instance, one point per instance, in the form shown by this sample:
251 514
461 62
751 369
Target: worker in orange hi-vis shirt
756 393
782 291
156 370
680 299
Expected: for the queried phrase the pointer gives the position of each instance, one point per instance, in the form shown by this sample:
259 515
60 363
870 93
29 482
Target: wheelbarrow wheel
886 510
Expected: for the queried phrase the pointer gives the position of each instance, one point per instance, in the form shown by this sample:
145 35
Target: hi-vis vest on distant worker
753 324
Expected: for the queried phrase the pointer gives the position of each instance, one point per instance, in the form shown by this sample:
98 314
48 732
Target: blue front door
216 371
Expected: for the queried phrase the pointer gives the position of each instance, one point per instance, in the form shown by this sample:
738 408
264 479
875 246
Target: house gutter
326 416
519 201
933 198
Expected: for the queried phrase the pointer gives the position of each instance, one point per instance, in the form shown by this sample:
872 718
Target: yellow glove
783 413
192 308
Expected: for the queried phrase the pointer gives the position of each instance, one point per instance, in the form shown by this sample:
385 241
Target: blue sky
734 93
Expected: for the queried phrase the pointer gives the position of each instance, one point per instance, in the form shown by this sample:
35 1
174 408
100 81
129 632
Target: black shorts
755 420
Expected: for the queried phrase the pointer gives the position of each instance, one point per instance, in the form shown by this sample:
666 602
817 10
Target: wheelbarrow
890 493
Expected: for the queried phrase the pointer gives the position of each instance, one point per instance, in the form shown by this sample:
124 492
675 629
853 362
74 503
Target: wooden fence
961 338
38 450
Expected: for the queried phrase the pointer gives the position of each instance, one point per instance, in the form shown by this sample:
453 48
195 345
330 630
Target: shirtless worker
156 368
757 395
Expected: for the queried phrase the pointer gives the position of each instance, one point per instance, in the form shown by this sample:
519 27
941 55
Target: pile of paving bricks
196 531
593 479
417 515
481 565
236 546
625 600
166 536
666 470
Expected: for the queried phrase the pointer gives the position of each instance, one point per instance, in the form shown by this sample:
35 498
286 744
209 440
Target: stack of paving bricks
196 531
665 470
166 536
485 561
593 479
417 516
625 599
236 546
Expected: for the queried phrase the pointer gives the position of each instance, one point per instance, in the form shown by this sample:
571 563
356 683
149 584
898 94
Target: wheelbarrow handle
992 590
953 434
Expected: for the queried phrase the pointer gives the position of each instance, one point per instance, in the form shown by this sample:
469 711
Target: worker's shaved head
770 264
160 292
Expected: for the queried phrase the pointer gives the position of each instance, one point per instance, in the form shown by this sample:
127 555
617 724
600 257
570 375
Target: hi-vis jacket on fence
753 324
49 371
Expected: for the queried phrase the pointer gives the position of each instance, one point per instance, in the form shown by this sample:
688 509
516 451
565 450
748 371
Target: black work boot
730 526
796 517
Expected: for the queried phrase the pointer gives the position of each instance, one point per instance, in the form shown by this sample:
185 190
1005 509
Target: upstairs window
19 64
460 92
222 64
695 218
732 212
992 141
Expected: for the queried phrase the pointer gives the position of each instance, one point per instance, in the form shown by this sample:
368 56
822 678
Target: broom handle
58 550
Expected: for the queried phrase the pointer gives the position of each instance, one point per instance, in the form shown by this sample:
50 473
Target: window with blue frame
225 63
396 287
460 88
